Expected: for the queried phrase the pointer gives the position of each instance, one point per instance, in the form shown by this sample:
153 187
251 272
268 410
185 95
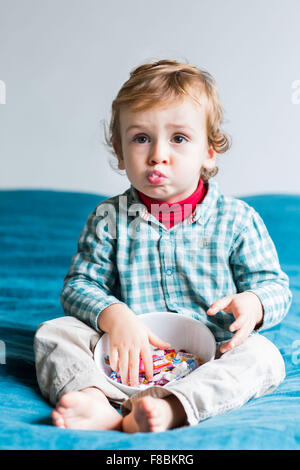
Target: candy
176 361
168 365
184 356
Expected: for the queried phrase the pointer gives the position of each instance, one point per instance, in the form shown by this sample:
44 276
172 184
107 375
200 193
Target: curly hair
153 84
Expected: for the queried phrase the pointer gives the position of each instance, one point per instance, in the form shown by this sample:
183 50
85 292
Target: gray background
63 62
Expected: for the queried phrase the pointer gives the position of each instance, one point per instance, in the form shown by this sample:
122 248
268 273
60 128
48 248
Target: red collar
171 213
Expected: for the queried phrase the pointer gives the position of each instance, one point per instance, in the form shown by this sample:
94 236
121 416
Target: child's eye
138 137
142 139
179 137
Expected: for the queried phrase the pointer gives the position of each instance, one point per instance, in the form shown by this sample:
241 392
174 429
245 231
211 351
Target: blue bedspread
38 237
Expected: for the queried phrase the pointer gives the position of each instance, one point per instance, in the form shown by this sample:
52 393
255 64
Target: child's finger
238 323
236 340
225 347
123 367
146 356
113 359
134 360
156 341
220 304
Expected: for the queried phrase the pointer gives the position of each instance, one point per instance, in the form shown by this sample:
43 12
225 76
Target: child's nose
159 154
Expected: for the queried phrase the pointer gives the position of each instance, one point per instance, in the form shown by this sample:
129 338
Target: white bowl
180 331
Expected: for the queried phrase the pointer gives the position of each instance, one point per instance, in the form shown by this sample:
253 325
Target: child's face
172 140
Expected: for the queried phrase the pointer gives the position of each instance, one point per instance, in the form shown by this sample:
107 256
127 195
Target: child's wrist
260 311
110 315
260 320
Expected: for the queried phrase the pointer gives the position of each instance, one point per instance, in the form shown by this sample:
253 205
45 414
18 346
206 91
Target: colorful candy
168 365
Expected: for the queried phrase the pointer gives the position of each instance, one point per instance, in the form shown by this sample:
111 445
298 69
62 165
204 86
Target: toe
68 400
148 404
57 419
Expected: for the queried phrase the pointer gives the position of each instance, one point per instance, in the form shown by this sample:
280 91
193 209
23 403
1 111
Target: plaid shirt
125 255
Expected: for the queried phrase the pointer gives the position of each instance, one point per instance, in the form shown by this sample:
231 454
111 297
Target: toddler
172 242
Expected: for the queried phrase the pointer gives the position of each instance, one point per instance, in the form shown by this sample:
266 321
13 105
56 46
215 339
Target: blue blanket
38 237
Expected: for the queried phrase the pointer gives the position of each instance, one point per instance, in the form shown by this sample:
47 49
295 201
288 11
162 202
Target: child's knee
61 323
269 358
52 333
57 327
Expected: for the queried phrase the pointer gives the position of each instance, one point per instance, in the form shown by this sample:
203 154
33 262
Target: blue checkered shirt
125 255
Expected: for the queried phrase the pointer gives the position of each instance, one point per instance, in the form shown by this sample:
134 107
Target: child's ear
211 153
121 165
211 158
119 155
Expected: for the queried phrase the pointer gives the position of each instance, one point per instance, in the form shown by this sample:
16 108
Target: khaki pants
64 362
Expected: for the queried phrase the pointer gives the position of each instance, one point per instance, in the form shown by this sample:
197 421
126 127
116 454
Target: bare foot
86 409
151 414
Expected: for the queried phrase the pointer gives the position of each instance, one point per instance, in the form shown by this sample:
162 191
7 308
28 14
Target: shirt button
169 272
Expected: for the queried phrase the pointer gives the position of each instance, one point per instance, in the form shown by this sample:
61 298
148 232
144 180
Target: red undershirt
170 213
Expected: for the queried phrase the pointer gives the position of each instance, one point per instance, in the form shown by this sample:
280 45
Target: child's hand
129 340
247 311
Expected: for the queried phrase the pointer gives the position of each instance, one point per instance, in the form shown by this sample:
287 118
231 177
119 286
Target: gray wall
63 61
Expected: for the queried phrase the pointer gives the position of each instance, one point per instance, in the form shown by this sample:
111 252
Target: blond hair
153 84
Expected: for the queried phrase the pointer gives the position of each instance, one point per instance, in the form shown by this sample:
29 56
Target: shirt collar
208 206
202 212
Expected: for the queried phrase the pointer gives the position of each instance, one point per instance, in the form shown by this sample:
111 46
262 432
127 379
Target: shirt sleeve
255 266
91 283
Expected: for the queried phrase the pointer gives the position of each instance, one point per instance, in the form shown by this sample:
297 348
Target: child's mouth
155 177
